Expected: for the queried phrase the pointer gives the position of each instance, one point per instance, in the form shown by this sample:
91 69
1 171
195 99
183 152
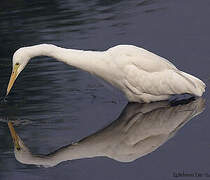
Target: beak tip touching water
7 92
9 88
11 82
12 79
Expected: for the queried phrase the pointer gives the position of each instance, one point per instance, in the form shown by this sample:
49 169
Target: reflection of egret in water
139 130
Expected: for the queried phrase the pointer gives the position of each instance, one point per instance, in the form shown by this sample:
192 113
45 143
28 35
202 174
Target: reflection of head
140 129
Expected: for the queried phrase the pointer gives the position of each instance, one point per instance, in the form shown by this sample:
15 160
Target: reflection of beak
12 78
14 136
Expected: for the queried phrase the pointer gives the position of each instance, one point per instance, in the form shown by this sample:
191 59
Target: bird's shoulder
141 58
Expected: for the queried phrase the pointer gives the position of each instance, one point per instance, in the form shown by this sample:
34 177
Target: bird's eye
17 64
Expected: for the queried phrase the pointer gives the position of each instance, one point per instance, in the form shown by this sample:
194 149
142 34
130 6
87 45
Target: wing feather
164 82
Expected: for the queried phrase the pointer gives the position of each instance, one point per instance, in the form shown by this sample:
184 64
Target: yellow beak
14 136
13 77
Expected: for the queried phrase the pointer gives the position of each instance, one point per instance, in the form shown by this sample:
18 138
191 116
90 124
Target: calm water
53 105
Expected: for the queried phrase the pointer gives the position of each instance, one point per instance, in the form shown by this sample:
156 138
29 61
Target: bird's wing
143 59
146 72
164 82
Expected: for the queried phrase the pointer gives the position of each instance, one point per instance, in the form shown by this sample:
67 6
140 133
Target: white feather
141 75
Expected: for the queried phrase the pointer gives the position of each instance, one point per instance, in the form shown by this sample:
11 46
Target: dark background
55 104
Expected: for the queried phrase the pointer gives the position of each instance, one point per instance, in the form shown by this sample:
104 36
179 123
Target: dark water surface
53 105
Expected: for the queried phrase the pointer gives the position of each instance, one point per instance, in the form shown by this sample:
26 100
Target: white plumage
141 75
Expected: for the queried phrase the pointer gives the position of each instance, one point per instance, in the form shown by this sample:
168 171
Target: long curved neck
70 152
90 61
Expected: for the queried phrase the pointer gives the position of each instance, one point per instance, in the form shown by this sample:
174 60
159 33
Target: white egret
139 130
141 75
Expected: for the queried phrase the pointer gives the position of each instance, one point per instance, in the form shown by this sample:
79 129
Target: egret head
20 59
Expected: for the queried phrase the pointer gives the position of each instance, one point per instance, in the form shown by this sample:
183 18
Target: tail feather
199 86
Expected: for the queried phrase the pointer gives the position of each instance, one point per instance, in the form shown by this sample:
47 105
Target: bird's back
140 57
148 77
